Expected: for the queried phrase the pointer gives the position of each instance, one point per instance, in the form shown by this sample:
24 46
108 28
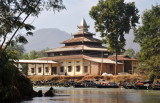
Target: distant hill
46 38
129 42
52 37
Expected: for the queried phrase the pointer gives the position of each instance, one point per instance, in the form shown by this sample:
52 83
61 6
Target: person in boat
50 92
120 84
157 82
51 88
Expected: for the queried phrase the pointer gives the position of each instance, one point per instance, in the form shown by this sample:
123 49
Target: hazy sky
67 20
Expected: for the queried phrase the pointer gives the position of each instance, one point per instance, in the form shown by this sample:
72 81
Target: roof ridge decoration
83 27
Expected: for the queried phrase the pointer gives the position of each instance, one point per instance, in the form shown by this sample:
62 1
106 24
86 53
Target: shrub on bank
14 86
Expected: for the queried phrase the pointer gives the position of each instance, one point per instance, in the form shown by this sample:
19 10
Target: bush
14 86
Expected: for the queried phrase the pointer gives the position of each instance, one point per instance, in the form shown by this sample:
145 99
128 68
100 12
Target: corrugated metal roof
99 60
102 60
62 57
80 39
121 57
78 47
36 61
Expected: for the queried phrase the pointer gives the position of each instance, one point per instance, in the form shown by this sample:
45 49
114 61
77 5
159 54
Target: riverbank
116 78
96 95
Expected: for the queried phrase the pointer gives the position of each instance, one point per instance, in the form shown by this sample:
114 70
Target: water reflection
94 95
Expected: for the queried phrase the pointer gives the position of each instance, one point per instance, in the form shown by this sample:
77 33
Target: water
98 95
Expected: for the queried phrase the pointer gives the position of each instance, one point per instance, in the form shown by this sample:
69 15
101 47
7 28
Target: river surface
98 95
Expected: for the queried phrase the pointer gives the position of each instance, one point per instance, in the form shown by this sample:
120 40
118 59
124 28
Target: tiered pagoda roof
82 41
78 47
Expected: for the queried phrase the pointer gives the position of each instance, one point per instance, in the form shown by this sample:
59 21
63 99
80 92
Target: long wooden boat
128 87
156 86
79 86
144 85
107 86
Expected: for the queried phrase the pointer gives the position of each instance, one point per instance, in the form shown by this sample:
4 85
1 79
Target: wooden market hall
81 55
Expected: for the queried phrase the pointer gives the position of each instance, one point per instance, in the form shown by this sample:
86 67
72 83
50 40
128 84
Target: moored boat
144 85
108 85
156 86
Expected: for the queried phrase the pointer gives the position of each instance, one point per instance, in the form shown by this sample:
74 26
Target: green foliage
42 53
148 37
37 54
151 66
10 91
8 68
114 18
19 52
136 55
14 86
130 52
17 48
25 56
14 14
33 55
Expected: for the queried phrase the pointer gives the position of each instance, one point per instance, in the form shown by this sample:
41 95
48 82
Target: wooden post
132 67
90 67
101 63
123 66
43 68
28 69
66 66
116 64
35 68
74 67
82 66
51 69
47 67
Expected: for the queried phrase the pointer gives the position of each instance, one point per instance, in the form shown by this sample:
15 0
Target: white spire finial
83 27
83 23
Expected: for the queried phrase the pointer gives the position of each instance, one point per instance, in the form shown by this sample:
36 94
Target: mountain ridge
52 37
46 38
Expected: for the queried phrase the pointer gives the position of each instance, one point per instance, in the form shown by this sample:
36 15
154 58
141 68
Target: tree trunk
101 63
116 63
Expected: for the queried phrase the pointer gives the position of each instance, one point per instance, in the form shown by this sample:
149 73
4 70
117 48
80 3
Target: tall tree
25 56
113 19
42 53
130 52
33 54
148 37
18 48
14 14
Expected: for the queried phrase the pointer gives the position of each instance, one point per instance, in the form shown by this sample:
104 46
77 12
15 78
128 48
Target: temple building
81 55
